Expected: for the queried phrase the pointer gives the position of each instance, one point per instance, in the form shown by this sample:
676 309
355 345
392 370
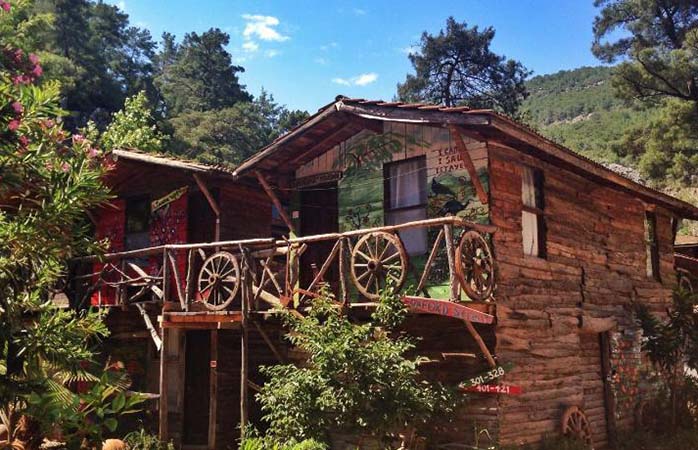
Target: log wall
594 271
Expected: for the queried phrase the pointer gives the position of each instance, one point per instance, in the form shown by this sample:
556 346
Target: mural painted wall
361 190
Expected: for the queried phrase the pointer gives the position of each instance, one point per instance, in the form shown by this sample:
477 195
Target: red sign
494 389
446 308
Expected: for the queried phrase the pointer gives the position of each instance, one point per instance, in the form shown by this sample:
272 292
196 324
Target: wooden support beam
470 167
212 203
480 343
430 261
325 266
177 281
246 282
213 391
269 343
275 200
149 326
162 410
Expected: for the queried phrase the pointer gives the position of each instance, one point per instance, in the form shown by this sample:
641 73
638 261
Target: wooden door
196 387
319 215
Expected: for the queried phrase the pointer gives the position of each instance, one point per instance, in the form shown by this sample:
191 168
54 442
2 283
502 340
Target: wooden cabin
686 257
519 259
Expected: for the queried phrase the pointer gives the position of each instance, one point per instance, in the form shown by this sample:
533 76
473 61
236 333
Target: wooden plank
270 193
415 116
228 316
246 281
470 167
451 256
446 308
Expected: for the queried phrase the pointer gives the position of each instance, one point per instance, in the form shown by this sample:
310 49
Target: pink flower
37 71
92 153
48 123
5 6
78 139
23 141
13 125
33 59
17 107
65 167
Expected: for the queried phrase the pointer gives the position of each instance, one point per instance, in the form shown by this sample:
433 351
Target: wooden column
213 391
246 281
162 413
609 398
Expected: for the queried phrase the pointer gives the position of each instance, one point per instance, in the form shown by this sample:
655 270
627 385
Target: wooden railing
356 266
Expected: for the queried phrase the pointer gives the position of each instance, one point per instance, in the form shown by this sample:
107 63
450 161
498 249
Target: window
652 245
137 234
406 200
532 214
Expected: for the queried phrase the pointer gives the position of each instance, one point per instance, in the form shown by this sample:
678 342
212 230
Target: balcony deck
209 281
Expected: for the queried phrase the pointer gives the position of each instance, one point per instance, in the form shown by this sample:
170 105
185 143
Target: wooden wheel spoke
363 255
362 276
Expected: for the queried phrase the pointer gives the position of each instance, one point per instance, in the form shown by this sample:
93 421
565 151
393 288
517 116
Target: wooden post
213 391
455 287
275 200
162 413
246 281
165 277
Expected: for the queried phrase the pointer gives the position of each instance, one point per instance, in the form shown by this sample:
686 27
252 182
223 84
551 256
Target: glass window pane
415 239
407 183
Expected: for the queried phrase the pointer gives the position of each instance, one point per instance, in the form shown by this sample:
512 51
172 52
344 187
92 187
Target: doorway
196 387
319 215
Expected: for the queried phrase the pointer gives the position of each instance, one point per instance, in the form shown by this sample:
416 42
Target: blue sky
306 52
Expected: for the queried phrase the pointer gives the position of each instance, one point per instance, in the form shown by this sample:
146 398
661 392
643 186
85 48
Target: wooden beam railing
360 264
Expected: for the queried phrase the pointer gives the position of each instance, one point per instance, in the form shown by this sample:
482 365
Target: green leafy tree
657 42
231 135
49 179
133 127
672 346
198 74
457 67
357 378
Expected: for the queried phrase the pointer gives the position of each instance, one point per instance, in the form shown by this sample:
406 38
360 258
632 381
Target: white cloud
262 27
322 61
359 11
250 46
365 78
271 53
359 80
121 5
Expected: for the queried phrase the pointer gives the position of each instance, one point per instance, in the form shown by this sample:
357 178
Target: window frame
537 209
652 246
423 206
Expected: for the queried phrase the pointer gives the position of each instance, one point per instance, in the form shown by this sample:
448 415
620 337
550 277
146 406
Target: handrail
268 243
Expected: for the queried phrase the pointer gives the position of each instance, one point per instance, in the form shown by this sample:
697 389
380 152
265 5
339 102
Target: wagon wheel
376 258
219 280
576 426
475 266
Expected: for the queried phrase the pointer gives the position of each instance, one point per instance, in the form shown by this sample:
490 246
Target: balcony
223 281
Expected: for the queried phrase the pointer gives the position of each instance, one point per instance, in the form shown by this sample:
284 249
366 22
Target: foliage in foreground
49 179
142 440
672 346
357 379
